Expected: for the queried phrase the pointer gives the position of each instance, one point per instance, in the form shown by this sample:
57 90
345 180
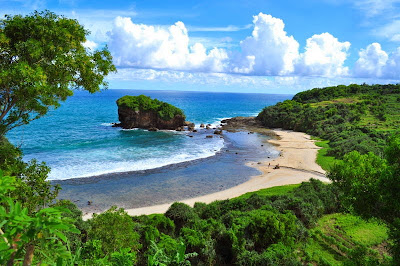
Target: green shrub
181 214
115 229
75 214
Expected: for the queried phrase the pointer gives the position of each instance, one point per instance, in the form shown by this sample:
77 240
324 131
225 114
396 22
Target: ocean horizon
77 140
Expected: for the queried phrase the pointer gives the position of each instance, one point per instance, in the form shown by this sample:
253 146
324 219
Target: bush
115 230
75 214
181 214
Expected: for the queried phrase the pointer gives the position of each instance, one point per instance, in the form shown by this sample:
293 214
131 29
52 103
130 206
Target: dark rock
132 114
207 127
209 137
194 130
146 119
89 202
153 129
218 132
191 126
202 125
179 129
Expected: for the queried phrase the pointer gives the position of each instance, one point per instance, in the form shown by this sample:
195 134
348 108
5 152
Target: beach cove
296 161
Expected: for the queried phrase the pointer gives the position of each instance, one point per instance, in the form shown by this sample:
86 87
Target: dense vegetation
354 117
290 225
358 127
164 110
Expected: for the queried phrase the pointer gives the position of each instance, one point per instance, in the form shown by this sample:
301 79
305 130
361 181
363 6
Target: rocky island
143 112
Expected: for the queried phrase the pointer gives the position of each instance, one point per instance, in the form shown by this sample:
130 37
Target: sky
260 46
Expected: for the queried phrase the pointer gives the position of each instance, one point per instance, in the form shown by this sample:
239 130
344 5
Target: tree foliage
22 235
371 185
336 121
164 110
42 60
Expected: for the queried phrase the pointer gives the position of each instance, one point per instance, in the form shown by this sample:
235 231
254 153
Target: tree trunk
29 254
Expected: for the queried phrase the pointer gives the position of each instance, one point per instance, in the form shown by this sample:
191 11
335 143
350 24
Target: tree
42 60
22 234
371 185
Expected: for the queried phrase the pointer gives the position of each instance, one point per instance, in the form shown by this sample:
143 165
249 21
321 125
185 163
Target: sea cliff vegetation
164 110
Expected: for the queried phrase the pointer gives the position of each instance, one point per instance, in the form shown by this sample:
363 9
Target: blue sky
247 46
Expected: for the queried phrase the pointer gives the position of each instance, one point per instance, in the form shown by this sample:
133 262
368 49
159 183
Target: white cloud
269 51
371 61
229 28
90 45
157 79
376 63
143 46
375 7
390 31
392 68
324 56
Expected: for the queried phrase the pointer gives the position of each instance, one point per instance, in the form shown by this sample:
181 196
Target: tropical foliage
164 110
42 60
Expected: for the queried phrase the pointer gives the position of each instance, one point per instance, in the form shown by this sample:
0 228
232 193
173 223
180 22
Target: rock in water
218 132
143 112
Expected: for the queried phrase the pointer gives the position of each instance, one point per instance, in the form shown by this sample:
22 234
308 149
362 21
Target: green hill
354 117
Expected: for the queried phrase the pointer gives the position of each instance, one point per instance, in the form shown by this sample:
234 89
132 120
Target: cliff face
143 112
130 118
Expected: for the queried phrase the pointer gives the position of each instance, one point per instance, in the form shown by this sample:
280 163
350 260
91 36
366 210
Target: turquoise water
77 140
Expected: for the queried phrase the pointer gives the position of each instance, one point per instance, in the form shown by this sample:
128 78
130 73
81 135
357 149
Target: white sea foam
70 170
217 123
107 124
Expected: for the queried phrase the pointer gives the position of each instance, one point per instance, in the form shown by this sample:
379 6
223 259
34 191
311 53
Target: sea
93 161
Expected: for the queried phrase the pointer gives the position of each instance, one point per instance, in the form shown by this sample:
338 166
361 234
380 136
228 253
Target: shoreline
296 161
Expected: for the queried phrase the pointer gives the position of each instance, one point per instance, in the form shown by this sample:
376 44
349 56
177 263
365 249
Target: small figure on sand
277 166
269 164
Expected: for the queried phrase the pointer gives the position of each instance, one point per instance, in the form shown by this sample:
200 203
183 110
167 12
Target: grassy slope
273 191
324 160
368 120
337 237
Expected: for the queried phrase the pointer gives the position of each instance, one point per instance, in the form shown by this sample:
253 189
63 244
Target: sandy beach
296 164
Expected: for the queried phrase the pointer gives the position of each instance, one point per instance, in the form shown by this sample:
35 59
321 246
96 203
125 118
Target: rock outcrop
144 112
